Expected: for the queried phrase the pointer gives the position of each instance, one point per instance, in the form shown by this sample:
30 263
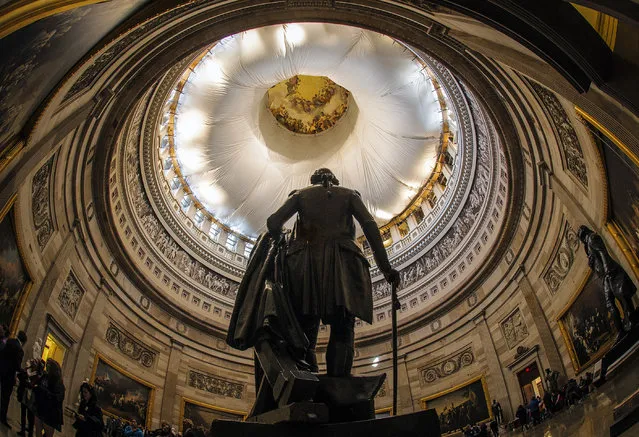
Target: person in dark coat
88 419
327 273
49 395
10 363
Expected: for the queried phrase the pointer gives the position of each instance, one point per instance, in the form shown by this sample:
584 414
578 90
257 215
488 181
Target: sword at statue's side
395 306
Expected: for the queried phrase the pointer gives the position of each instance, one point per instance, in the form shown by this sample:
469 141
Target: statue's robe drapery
262 309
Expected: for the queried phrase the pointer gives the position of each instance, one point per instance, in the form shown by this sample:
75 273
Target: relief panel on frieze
41 204
125 343
562 260
566 135
447 366
514 328
70 296
215 385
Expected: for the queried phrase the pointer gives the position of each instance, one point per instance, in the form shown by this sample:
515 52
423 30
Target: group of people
116 427
539 409
41 393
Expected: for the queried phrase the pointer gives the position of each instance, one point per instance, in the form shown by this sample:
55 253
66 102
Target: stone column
38 312
495 378
170 382
541 323
84 350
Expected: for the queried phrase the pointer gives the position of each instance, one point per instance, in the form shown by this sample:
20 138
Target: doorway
530 382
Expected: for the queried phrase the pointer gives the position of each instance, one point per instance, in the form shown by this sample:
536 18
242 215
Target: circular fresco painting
307 104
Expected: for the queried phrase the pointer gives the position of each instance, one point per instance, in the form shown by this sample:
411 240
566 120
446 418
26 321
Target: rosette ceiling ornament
264 108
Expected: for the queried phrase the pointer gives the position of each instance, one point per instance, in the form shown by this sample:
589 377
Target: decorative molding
70 296
41 205
215 385
447 366
566 135
514 328
122 341
562 260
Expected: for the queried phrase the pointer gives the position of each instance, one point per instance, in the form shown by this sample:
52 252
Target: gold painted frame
149 410
613 227
423 402
385 410
24 293
564 332
210 407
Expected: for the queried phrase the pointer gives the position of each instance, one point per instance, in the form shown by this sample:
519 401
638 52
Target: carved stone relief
70 296
129 347
563 259
215 385
447 366
514 329
451 242
567 137
41 205
156 234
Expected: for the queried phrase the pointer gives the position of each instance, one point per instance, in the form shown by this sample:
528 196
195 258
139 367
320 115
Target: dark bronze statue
327 274
291 284
617 283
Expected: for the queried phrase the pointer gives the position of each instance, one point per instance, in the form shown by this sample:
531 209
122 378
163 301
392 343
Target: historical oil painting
35 58
466 404
14 277
623 189
120 394
586 324
198 416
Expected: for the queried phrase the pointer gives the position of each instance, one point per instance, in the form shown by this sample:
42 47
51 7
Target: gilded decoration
447 366
129 347
215 385
563 259
40 204
566 135
514 328
307 104
70 296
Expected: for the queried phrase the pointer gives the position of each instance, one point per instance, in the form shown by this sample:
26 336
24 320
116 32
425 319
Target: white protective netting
241 163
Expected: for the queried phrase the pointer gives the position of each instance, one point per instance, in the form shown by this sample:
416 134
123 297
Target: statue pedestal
621 351
420 424
344 399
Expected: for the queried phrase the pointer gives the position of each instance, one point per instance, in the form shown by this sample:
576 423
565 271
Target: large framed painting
121 394
586 325
622 170
465 404
15 280
198 416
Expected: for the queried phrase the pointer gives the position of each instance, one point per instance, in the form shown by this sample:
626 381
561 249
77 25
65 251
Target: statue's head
324 176
583 232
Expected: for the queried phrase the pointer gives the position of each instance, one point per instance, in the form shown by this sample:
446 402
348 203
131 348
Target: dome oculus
307 104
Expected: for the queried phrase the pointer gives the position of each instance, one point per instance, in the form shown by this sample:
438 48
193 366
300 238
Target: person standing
10 363
49 395
327 272
88 419
497 412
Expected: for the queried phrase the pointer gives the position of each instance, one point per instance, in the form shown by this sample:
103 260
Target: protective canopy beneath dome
241 163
